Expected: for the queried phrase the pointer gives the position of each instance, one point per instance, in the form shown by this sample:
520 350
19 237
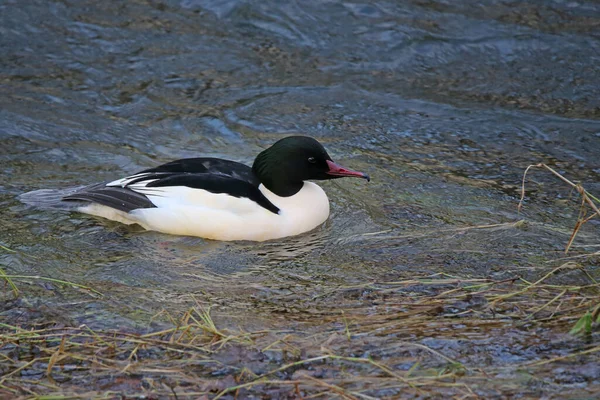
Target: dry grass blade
43 278
555 359
7 278
56 357
345 394
10 283
586 199
7 249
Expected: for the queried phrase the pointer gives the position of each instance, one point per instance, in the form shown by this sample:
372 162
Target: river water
443 103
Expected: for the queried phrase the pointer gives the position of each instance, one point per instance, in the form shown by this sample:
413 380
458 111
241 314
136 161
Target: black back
208 165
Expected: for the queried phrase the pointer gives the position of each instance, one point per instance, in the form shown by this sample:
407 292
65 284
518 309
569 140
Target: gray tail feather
51 198
119 198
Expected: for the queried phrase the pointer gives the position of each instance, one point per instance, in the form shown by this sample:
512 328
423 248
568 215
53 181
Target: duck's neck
282 188
275 178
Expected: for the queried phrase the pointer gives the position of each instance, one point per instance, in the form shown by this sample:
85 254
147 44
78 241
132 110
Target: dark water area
443 103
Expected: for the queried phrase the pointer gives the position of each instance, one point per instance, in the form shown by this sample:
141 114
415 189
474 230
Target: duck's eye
312 160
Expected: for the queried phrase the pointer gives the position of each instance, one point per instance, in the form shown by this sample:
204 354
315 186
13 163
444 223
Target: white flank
195 212
107 212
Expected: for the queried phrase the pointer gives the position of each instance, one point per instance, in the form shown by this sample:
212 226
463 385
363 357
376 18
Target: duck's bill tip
338 170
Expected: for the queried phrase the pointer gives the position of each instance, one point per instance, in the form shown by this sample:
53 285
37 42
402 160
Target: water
443 103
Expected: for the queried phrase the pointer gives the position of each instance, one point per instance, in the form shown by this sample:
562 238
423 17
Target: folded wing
174 182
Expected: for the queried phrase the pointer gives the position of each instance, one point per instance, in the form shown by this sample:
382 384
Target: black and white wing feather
209 174
122 199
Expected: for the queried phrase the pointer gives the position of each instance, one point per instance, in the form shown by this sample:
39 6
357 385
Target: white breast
194 212
301 212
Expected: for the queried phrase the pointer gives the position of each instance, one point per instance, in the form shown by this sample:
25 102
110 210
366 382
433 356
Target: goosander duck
221 199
